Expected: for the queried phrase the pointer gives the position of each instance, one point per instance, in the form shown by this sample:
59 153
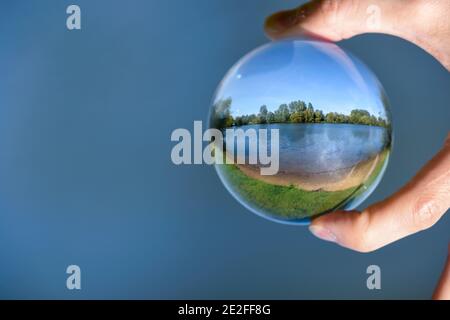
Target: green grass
290 202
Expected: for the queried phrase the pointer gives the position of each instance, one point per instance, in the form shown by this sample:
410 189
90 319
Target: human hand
425 199
422 22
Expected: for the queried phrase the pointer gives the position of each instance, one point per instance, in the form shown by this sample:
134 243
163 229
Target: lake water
308 149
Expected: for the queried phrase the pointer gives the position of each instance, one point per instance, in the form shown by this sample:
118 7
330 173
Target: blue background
86 176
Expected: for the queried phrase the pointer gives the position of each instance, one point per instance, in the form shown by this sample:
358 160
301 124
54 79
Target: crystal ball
306 130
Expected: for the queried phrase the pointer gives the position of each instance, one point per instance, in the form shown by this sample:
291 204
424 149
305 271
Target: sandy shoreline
326 181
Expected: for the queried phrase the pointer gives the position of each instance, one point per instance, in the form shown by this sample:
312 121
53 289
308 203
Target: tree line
294 112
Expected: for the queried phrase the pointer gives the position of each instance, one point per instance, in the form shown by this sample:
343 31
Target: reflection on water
318 148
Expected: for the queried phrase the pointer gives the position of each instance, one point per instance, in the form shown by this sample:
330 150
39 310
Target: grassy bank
290 202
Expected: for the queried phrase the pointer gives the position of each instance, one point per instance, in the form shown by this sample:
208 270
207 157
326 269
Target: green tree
309 114
357 115
296 117
330 117
263 114
283 113
270 117
221 116
318 116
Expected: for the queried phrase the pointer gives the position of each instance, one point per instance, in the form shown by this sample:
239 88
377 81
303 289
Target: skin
425 199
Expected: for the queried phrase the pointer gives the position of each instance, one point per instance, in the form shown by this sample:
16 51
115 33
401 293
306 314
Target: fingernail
281 21
284 20
323 233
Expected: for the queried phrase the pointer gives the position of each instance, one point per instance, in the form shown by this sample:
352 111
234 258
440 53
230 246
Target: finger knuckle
335 14
428 9
426 212
364 241
364 247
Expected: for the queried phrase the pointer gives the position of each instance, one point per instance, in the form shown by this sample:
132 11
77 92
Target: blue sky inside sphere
308 70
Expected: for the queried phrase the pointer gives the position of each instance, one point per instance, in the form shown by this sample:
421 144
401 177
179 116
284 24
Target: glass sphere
318 109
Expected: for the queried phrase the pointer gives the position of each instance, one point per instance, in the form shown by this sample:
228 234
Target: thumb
422 22
415 207
340 19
